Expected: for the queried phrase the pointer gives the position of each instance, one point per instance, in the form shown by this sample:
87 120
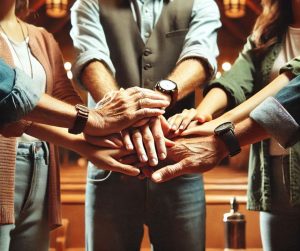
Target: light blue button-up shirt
90 42
17 94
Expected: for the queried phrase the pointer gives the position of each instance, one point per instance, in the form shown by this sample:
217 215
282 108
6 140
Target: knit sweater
46 50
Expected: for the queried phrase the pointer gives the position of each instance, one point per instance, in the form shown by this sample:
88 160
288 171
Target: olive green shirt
248 75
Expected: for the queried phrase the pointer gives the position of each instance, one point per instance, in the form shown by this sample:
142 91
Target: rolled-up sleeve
280 115
292 66
22 98
88 36
201 39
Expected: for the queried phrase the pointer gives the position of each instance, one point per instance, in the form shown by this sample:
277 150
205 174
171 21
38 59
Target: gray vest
139 64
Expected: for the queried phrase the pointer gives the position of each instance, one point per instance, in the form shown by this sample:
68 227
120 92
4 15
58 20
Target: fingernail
174 127
143 158
181 127
156 177
153 162
162 156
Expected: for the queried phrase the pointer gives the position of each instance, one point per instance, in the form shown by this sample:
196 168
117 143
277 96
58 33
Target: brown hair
272 23
22 8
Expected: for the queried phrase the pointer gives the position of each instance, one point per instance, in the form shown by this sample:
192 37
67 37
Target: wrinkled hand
148 141
123 108
187 118
191 155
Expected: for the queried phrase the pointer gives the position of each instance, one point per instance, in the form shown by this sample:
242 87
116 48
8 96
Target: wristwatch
168 87
225 132
81 119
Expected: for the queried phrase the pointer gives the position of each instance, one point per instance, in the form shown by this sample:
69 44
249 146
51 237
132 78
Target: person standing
166 45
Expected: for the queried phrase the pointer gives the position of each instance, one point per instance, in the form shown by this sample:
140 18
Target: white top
21 60
289 50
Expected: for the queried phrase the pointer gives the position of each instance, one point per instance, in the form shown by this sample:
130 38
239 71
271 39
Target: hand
204 129
191 155
123 108
111 141
179 122
148 140
107 159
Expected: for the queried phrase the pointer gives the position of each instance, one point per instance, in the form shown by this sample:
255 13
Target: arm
17 95
106 158
242 111
200 154
93 67
280 116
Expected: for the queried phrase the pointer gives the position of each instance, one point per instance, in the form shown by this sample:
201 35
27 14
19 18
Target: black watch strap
225 132
81 119
231 143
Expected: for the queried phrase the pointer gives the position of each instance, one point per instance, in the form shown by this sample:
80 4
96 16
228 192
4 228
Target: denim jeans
119 206
280 228
30 231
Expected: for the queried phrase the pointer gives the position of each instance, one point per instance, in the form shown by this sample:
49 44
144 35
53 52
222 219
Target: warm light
56 8
69 74
226 66
67 66
218 75
235 8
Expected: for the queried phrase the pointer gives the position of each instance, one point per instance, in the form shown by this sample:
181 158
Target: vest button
147 66
147 52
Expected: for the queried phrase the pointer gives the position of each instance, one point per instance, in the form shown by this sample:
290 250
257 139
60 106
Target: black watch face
167 85
224 127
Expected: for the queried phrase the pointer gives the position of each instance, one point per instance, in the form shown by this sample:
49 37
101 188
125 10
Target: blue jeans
30 231
119 206
280 228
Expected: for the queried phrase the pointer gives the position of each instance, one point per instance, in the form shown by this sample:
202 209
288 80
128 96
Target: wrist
95 123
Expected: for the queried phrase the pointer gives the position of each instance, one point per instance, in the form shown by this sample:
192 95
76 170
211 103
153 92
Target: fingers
139 146
159 139
169 172
147 113
180 122
202 118
117 166
152 103
127 140
112 141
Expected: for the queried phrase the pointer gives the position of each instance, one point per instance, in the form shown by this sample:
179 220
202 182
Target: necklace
13 47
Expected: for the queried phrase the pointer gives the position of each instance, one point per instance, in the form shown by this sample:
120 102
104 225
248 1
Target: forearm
54 112
249 132
242 111
188 74
56 135
98 80
215 101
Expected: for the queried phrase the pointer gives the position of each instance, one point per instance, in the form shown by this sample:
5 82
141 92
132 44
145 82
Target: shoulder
39 33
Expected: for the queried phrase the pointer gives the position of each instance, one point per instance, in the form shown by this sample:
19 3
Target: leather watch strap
81 119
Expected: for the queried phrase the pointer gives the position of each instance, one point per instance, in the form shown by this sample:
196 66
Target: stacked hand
132 124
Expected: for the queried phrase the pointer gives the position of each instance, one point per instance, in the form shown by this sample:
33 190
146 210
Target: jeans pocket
95 175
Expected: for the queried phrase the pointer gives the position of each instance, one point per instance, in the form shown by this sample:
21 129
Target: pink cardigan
46 50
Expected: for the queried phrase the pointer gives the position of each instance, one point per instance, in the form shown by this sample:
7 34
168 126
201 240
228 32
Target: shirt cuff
22 99
276 120
198 52
293 66
88 56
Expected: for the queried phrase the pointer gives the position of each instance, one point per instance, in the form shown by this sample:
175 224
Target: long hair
22 8
271 25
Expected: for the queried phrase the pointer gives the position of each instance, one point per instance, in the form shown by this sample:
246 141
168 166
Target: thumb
169 172
202 118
